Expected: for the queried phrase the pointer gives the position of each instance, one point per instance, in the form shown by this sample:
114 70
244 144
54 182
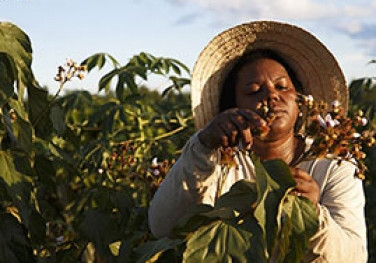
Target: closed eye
252 89
281 87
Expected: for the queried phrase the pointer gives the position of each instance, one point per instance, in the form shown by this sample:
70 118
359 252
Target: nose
271 91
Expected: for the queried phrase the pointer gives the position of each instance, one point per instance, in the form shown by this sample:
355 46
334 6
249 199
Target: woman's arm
342 231
190 181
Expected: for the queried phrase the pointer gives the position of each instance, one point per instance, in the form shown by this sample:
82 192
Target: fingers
259 127
306 186
231 127
252 117
243 130
229 134
239 127
303 180
303 186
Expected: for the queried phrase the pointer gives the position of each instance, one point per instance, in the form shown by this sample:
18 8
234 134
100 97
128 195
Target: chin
279 131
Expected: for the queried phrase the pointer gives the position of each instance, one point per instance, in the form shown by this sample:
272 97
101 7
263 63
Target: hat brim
314 65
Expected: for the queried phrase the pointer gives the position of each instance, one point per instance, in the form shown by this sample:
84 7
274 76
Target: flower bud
356 135
154 163
335 104
363 121
58 78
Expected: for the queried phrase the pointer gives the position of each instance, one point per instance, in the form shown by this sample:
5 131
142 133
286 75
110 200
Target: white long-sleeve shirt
196 176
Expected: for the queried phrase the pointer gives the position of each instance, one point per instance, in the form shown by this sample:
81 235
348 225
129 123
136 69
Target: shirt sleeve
190 181
342 231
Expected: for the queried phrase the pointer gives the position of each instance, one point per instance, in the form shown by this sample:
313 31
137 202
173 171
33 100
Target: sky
179 29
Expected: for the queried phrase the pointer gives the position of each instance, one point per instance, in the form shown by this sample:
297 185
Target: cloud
361 30
302 10
187 19
277 9
352 18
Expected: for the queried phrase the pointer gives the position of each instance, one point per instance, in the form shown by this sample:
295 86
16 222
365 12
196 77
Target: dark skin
261 80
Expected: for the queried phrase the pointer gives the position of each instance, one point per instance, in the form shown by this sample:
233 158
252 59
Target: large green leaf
18 185
15 43
268 224
39 111
37 228
100 228
273 180
241 197
21 127
8 73
152 251
58 119
226 242
301 220
14 245
224 233
193 219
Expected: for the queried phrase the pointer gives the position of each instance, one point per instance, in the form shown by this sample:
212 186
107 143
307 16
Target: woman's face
264 80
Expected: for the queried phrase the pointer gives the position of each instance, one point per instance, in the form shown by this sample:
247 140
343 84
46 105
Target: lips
278 112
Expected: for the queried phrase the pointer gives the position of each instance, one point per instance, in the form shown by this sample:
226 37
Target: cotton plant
326 128
334 135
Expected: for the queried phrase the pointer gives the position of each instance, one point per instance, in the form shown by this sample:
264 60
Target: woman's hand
230 127
305 185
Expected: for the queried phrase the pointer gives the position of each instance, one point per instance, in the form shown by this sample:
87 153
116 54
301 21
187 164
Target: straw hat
314 65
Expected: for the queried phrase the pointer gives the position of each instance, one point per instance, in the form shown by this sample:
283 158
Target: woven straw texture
314 65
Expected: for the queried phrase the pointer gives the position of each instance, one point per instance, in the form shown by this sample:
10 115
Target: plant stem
44 110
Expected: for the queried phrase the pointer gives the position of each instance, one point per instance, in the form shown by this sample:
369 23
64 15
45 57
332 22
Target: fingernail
248 146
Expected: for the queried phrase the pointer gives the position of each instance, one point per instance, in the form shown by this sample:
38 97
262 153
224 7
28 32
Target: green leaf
14 244
176 62
45 170
165 65
102 111
302 223
100 228
17 184
21 127
37 228
167 90
273 179
193 219
175 68
226 242
153 250
24 133
58 119
156 65
122 115
15 43
128 78
108 125
140 71
99 60
105 81
39 111
120 88
241 197
8 73
115 247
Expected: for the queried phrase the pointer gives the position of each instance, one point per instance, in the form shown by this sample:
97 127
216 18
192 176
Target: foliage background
76 170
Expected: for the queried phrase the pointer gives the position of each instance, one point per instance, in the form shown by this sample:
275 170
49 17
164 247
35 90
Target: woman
265 63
